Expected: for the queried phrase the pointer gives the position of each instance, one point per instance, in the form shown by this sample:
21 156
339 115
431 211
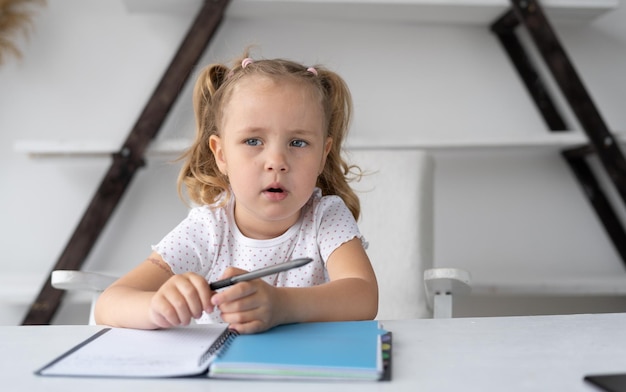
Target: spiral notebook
350 350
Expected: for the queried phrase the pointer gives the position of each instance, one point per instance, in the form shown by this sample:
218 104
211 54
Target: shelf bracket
130 157
602 142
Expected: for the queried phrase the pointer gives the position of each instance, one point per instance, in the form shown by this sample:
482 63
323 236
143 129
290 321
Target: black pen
272 269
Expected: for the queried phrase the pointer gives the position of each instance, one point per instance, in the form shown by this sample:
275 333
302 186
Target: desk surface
537 353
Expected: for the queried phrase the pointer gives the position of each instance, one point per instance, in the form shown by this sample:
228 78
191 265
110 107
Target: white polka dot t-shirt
208 241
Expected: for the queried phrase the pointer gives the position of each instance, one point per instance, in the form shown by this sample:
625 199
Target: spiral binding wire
219 345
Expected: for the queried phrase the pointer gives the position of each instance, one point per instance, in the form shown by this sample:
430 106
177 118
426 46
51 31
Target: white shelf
423 11
173 147
19 288
92 148
562 286
22 289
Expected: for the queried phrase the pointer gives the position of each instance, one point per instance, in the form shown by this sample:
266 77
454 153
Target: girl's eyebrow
304 132
260 130
248 131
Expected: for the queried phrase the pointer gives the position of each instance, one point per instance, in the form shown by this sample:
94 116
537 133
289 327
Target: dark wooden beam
130 157
504 29
531 14
577 162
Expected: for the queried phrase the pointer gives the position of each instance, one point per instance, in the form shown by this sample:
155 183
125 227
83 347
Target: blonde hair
205 184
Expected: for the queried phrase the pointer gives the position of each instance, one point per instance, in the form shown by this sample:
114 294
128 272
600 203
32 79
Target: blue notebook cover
349 350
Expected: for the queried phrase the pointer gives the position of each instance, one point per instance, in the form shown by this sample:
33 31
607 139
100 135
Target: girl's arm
351 294
151 296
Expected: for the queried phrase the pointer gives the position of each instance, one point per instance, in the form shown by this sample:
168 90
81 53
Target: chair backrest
397 221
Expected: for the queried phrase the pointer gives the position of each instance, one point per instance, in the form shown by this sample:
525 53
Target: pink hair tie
245 62
312 70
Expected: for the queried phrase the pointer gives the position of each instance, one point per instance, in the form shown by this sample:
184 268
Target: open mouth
275 192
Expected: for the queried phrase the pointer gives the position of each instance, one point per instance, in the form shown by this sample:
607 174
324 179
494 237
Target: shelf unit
478 12
566 286
173 147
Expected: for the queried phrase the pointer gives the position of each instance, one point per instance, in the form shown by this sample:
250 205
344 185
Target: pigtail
338 173
199 174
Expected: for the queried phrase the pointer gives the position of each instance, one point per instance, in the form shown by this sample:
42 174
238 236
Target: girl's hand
248 307
181 298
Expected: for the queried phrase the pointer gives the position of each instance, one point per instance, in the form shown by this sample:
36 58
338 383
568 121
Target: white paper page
139 353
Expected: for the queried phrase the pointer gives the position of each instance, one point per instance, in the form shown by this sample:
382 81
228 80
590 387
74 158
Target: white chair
91 282
397 203
441 284
396 219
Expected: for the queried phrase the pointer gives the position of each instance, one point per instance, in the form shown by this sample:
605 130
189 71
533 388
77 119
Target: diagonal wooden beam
130 157
576 159
531 14
504 29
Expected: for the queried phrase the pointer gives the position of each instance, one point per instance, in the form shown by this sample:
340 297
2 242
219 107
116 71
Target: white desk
540 353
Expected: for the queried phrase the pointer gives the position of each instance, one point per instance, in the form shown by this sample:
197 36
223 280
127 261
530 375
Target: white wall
90 66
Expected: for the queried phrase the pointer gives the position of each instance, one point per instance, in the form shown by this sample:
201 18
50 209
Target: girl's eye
252 142
299 143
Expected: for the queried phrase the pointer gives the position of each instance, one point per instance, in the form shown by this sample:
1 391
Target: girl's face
272 146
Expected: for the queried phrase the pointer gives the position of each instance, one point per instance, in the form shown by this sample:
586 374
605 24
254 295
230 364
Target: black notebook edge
386 346
615 382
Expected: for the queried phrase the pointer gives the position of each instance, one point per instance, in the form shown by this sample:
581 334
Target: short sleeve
190 246
336 225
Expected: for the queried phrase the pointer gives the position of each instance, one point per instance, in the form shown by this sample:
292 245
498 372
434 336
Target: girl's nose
276 161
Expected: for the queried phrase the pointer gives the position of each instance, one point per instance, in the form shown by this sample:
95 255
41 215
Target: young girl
266 172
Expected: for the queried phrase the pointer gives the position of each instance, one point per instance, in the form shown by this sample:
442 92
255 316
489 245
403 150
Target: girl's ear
215 144
327 146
